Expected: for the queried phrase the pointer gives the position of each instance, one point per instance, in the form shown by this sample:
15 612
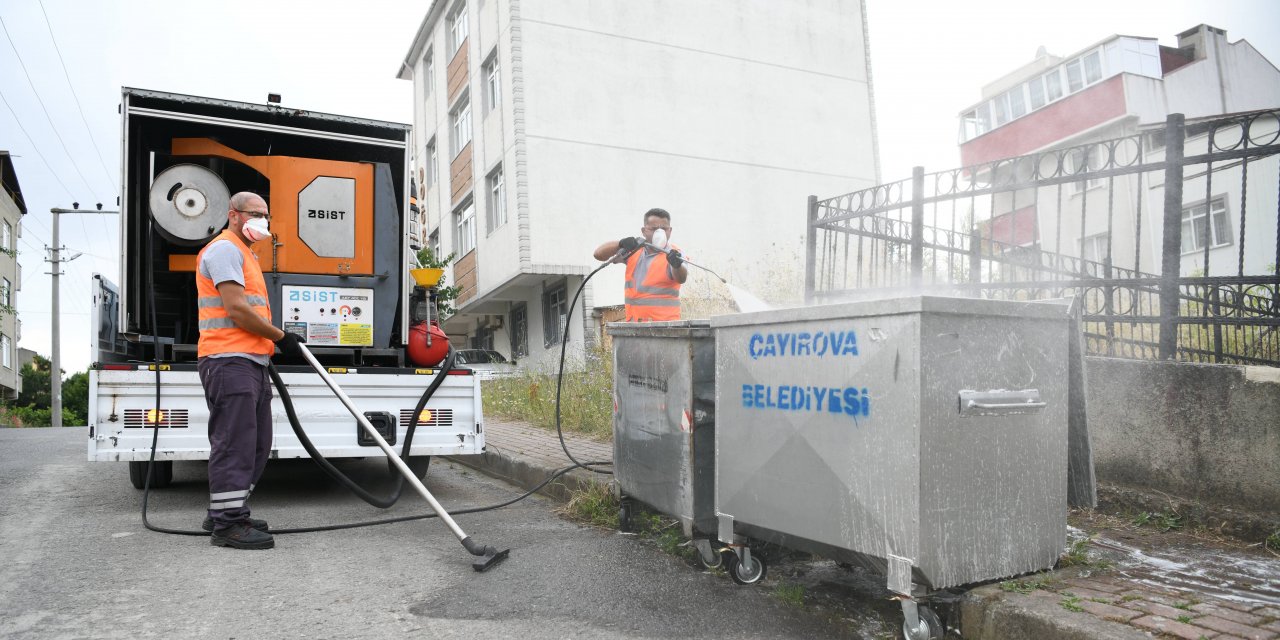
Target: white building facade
1127 86
544 129
12 208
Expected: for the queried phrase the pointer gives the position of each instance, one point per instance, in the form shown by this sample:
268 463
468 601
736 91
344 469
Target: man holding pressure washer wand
237 340
654 275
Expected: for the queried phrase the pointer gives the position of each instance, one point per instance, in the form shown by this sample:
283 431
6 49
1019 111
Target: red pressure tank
427 356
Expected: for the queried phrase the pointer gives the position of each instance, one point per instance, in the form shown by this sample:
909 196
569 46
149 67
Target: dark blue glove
675 259
289 345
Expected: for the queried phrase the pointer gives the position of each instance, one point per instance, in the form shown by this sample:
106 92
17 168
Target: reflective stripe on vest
651 293
218 333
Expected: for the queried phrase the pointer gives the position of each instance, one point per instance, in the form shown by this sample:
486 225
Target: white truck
337 268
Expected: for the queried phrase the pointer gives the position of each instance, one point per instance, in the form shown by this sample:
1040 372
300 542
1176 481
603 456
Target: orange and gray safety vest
218 334
652 295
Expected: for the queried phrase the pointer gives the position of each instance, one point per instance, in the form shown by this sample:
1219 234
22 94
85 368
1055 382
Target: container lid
672 329
898 306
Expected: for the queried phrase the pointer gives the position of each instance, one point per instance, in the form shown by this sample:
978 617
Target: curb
526 475
988 613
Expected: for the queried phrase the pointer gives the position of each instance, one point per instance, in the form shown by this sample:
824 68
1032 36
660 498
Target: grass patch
1185 606
1076 555
1183 619
586 396
595 505
792 594
1273 542
1025 586
1071 603
1129 598
1165 521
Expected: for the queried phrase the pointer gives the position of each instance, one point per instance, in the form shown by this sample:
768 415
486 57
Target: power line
88 131
34 147
103 163
43 108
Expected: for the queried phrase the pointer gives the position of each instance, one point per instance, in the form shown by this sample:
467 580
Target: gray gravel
75 562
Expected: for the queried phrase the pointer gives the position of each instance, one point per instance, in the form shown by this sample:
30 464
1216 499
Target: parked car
487 363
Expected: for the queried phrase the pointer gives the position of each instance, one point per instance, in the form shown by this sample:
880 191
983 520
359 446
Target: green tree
36 387
33 406
75 398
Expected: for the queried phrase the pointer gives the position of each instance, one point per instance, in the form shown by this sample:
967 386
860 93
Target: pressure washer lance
692 264
489 556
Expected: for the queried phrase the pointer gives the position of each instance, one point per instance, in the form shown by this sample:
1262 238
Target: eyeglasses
667 229
254 214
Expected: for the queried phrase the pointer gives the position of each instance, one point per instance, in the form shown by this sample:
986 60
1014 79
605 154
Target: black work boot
241 536
260 525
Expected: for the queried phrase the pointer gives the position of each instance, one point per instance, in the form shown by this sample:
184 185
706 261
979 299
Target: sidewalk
1130 586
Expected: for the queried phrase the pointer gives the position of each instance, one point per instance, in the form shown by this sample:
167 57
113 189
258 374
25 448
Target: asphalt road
76 562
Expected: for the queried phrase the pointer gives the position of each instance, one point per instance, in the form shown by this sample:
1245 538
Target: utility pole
55 259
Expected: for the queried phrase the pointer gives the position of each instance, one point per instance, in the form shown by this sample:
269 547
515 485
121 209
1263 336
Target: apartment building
12 208
1126 86
543 129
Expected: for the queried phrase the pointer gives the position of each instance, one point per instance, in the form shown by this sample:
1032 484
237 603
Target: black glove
288 344
629 243
675 259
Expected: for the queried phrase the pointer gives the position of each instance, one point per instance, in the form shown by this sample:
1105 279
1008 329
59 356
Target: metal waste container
664 423
923 437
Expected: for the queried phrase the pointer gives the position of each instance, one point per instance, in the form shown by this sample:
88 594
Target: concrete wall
1205 432
10 325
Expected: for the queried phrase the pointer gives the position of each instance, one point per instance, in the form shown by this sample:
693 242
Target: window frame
1188 219
7 238
6 345
428 72
465 227
6 292
431 161
556 296
1098 244
496 211
460 122
459 27
492 83
519 319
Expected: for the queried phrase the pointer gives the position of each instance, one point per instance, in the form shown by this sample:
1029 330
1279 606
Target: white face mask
256 229
659 239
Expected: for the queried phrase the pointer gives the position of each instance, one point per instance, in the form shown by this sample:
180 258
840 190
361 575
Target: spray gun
667 252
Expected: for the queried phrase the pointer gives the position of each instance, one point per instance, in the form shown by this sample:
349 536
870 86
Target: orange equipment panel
290 177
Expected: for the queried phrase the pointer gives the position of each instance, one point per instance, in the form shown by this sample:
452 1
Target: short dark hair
661 213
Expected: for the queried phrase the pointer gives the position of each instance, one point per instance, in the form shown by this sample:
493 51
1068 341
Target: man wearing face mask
655 274
237 341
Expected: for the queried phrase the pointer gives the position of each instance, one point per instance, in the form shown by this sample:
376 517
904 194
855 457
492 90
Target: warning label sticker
299 328
322 333
356 334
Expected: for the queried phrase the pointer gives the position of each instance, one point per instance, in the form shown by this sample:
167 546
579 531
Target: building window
431 160
1092 68
461 126
428 74
555 308
7 347
1196 230
492 83
519 331
458 27
1078 161
1053 85
483 339
1036 90
6 292
1075 77
1094 248
433 242
465 240
1001 108
1017 104
6 240
497 211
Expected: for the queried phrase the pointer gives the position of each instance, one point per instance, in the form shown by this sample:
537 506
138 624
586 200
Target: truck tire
161 474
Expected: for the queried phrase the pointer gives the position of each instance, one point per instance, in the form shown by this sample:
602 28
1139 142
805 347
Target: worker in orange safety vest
655 270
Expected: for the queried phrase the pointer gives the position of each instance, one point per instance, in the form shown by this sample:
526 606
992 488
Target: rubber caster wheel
747 573
932 628
161 474
714 561
624 517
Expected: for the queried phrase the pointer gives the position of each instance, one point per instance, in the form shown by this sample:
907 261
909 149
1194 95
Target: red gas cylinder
427 356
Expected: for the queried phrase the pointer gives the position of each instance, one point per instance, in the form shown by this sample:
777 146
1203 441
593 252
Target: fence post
917 226
811 250
1171 257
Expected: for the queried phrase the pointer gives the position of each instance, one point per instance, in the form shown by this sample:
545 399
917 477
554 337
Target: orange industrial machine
337 190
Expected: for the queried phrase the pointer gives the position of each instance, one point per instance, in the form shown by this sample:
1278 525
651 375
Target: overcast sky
930 60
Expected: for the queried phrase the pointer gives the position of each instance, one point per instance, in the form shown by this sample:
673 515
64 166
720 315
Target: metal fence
1171 236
